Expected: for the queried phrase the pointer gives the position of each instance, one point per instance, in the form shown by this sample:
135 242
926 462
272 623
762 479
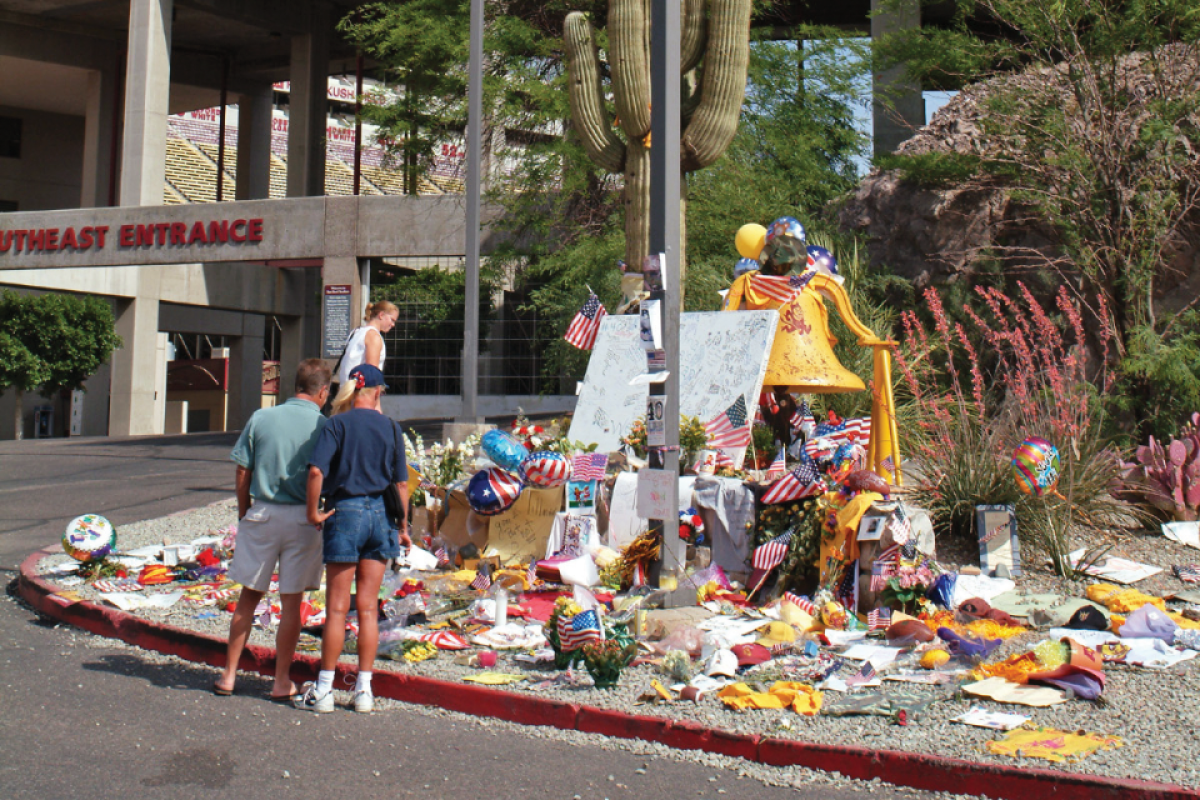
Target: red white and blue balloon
821 260
89 538
743 266
492 491
503 449
546 468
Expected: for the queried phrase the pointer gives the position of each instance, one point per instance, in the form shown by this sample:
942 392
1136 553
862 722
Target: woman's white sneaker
311 701
364 701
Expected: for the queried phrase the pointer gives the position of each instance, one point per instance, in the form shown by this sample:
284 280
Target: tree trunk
18 417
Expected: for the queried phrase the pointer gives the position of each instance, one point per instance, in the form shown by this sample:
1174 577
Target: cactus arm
691 38
586 95
723 87
629 60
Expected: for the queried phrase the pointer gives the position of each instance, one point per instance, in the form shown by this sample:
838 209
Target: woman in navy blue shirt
357 456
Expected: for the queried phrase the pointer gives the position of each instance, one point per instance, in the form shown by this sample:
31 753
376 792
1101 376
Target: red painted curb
917 770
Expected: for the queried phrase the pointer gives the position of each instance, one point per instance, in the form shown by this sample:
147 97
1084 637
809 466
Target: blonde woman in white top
365 346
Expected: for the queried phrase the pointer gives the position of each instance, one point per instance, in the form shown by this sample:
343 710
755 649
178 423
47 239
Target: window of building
10 137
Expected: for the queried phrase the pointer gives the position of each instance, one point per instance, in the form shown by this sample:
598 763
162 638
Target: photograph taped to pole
656 426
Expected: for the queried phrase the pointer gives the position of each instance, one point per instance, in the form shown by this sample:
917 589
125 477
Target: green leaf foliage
53 341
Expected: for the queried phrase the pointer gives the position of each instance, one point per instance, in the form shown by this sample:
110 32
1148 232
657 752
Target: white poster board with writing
723 355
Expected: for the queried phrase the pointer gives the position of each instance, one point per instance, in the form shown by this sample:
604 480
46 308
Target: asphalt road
90 717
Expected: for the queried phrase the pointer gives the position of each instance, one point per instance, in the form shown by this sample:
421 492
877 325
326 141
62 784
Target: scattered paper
879 655
1154 653
1092 639
996 720
839 638
1183 532
1116 570
927 677
731 627
128 601
1003 691
73 580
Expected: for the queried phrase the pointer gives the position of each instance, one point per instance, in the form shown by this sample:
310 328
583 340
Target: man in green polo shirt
272 470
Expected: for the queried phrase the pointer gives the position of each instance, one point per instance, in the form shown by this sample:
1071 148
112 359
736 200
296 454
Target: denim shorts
359 530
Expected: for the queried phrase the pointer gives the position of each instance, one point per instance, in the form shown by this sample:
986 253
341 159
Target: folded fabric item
978 608
1005 691
800 697
1052 745
967 646
155 574
1120 600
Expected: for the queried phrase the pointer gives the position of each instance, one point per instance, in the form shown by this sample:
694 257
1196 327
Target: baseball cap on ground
750 654
367 375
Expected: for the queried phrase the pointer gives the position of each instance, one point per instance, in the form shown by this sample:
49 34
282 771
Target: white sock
364 682
324 681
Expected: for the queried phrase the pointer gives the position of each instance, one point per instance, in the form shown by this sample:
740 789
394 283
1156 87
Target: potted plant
605 660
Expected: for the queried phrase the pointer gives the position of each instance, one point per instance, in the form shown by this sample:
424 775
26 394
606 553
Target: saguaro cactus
717 31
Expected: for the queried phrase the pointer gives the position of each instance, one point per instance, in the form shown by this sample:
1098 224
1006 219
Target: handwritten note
653 494
721 356
521 532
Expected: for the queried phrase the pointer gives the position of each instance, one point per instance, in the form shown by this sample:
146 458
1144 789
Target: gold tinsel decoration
643 549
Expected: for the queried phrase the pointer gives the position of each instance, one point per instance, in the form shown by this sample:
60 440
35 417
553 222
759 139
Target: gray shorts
270 535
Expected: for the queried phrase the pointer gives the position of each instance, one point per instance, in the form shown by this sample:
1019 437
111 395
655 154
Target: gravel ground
1153 711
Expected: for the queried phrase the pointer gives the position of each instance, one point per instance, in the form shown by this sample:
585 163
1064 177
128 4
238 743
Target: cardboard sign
656 424
521 532
996 527
654 494
463 526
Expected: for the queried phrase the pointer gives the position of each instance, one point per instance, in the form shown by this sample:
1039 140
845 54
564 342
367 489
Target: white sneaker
364 701
311 701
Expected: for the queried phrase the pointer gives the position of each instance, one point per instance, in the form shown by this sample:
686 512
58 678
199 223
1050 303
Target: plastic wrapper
1149 623
690 640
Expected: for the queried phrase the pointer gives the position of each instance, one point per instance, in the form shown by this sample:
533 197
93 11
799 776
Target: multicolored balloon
546 468
750 239
784 226
492 491
1036 466
504 449
821 260
89 538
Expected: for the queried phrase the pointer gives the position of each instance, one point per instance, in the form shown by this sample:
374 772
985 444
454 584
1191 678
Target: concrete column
132 399
254 144
245 372
98 138
147 95
898 108
307 109
133 407
291 351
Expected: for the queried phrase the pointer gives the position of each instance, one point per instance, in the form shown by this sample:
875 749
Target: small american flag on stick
583 329
574 632
589 467
730 428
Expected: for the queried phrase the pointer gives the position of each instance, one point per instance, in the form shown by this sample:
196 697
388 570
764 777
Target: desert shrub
970 417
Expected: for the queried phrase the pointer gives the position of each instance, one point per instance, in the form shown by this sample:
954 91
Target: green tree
52 342
1087 123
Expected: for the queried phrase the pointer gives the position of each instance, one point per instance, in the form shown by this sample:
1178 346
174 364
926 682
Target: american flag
803 481
724 459
589 467
779 466
801 602
442 556
780 648
770 555
901 526
482 581
888 464
880 572
781 288
879 618
730 428
574 632
583 329
850 430
1188 573
531 573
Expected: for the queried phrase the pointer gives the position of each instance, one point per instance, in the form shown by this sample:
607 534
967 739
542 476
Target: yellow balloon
750 240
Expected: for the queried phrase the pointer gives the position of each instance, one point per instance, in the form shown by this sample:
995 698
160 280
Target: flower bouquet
565 608
605 660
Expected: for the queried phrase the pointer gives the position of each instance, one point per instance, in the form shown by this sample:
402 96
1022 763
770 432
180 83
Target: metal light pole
470 351
664 238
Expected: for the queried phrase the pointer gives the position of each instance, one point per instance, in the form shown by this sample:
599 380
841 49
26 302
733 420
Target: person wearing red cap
358 454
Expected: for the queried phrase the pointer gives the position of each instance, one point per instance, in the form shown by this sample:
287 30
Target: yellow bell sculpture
802 358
